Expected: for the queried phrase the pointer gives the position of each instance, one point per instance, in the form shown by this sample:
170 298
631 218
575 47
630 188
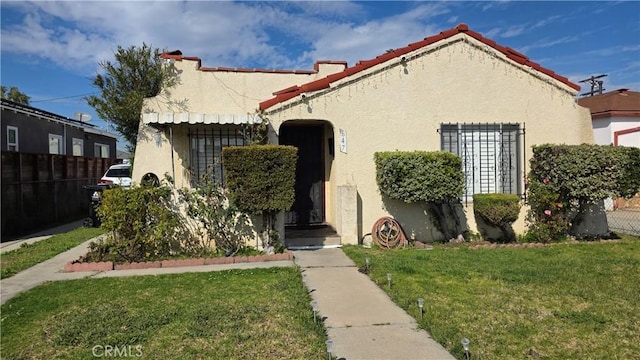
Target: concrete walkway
360 318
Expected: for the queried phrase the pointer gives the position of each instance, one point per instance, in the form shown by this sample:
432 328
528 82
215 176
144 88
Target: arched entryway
314 140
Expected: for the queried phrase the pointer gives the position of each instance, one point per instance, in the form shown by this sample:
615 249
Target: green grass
28 255
248 314
567 301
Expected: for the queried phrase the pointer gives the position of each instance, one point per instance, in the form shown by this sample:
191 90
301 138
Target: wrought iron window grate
206 151
491 153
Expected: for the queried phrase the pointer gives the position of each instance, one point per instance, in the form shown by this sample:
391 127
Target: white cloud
546 42
77 35
354 42
608 51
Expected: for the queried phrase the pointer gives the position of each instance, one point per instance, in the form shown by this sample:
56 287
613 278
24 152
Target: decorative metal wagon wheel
387 233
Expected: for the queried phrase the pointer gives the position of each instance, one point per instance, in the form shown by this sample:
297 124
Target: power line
65 97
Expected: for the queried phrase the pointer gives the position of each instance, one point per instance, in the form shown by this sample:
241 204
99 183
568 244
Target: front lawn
566 301
249 314
28 255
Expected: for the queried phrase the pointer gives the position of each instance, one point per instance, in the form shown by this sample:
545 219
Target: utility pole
594 82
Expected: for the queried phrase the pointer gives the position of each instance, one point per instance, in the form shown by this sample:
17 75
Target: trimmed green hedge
419 176
435 178
498 210
566 180
260 178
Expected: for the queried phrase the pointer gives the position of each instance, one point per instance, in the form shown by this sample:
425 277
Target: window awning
199 118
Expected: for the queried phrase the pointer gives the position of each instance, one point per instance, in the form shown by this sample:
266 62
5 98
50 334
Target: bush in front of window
261 180
567 183
499 211
216 220
142 224
434 177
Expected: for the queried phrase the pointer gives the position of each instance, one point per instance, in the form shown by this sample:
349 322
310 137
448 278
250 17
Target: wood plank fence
42 190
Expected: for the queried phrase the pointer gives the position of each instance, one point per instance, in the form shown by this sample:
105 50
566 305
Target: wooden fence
41 190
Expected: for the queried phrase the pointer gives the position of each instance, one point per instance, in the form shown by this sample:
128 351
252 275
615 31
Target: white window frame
60 144
80 142
101 153
12 146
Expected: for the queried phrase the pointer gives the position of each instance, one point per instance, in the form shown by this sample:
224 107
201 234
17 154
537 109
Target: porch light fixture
389 279
421 306
329 344
314 306
465 345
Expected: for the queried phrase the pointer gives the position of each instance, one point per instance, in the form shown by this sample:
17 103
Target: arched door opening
309 137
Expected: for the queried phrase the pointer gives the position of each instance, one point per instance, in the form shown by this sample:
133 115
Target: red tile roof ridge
361 65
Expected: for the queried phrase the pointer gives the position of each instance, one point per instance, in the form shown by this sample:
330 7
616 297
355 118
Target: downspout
64 139
173 167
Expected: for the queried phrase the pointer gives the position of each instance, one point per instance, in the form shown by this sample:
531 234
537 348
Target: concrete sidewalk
359 317
41 235
53 270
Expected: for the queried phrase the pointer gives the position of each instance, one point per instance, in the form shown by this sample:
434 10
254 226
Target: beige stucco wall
205 92
400 107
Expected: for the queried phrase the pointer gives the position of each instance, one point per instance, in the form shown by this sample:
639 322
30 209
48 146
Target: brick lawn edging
76 266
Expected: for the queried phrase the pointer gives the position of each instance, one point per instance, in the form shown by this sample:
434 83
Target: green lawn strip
567 301
235 314
28 255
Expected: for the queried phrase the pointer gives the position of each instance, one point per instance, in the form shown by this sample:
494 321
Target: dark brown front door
309 203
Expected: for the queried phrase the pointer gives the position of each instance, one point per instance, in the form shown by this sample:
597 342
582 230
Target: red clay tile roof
289 93
621 102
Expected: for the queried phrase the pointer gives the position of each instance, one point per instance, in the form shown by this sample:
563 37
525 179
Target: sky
51 50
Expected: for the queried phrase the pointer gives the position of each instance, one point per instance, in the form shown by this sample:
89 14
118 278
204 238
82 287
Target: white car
118 175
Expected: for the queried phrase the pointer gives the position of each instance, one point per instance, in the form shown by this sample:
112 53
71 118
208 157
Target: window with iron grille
206 151
491 156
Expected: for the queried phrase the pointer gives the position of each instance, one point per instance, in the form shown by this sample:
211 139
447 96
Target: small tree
261 180
137 73
14 94
419 176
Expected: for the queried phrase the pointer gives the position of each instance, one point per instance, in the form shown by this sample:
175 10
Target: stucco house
455 91
615 117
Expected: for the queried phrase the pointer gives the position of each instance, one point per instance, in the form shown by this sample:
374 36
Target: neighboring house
46 161
27 129
615 117
456 91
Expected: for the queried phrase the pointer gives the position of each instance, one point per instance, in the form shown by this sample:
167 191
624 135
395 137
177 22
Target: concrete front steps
311 237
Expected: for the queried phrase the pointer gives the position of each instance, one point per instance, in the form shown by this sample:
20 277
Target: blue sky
50 49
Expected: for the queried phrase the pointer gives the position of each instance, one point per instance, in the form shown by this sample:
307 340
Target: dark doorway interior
308 208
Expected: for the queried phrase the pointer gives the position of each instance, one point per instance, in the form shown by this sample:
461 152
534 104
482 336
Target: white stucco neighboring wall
604 130
396 106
